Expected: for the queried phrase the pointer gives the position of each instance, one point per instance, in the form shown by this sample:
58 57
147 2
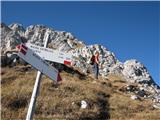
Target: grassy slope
63 101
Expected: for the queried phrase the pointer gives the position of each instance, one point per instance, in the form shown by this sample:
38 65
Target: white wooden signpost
41 65
37 62
51 55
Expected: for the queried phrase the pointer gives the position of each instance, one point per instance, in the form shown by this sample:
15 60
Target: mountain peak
17 28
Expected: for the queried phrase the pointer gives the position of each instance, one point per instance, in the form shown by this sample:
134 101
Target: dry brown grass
124 108
63 101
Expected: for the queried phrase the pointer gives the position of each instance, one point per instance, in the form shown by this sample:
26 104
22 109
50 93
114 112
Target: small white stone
134 97
83 104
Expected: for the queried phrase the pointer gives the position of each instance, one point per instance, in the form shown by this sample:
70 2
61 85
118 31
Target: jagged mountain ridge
36 33
65 41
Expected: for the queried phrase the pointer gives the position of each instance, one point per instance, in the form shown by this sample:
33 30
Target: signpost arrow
36 61
51 55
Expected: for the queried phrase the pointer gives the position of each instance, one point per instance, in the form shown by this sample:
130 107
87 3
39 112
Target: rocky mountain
132 70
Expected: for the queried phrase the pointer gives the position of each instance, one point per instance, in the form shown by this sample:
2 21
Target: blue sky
129 29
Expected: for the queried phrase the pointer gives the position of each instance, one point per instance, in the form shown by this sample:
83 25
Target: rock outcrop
59 40
136 71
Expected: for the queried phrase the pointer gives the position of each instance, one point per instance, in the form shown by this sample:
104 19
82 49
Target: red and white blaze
67 62
39 63
23 49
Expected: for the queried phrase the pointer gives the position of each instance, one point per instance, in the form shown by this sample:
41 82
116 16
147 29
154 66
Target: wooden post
35 92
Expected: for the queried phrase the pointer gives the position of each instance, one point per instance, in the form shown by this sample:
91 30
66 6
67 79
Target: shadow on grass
75 73
18 103
8 79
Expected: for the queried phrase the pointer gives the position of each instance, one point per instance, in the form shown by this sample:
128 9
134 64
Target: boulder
84 104
136 72
134 97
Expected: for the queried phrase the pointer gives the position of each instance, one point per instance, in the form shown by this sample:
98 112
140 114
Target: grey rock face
60 40
136 72
83 55
36 34
9 38
117 68
4 31
18 28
